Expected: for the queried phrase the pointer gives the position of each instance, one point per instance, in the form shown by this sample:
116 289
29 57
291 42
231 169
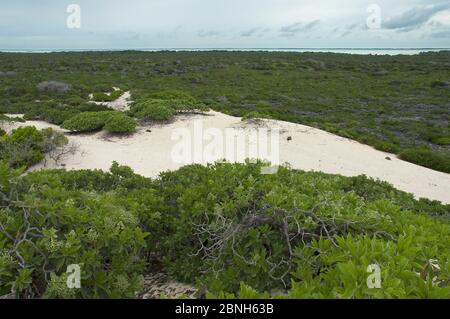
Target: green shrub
292 234
120 123
236 231
103 97
87 121
153 110
27 146
162 106
443 140
172 95
427 158
69 227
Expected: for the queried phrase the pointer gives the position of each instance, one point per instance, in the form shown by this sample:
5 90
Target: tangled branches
222 234
22 236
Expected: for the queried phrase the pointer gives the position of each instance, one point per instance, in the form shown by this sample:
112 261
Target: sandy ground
121 104
150 151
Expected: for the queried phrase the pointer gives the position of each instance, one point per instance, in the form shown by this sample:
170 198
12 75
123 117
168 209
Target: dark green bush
225 227
69 227
236 231
120 123
26 146
427 158
103 97
153 110
87 121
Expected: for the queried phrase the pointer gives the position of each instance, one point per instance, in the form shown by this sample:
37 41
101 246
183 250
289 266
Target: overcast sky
114 24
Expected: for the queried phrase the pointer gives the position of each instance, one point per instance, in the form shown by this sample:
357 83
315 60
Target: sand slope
149 153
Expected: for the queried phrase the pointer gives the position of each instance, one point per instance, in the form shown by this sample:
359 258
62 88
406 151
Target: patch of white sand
121 104
310 149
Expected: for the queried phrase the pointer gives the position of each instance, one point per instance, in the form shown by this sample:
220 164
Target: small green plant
153 110
87 121
104 97
120 123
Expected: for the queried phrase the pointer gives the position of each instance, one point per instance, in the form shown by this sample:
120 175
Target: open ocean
374 51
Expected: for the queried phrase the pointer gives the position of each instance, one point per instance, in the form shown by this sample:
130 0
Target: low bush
103 97
162 106
56 113
120 123
26 146
87 121
292 234
310 235
57 228
426 157
153 110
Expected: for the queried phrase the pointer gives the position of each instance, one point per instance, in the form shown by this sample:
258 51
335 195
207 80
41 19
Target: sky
134 24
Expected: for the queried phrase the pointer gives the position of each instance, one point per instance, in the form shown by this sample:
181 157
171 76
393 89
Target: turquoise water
375 51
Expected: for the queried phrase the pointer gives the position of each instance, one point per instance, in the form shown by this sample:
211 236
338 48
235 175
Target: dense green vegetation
120 123
394 103
111 121
162 106
225 228
26 146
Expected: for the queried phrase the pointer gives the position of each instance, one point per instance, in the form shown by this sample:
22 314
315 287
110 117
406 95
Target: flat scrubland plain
398 104
223 230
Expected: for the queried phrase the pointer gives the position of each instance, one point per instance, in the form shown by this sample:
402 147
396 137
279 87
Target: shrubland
225 228
163 106
394 103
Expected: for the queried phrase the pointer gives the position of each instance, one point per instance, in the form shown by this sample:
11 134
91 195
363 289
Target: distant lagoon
364 51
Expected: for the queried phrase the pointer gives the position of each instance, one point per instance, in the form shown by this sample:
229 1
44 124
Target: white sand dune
310 149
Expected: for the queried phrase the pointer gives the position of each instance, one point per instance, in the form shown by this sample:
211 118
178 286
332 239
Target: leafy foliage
303 233
225 227
427 158
26 146
87 121
54 227
120 123
153 110
162 106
